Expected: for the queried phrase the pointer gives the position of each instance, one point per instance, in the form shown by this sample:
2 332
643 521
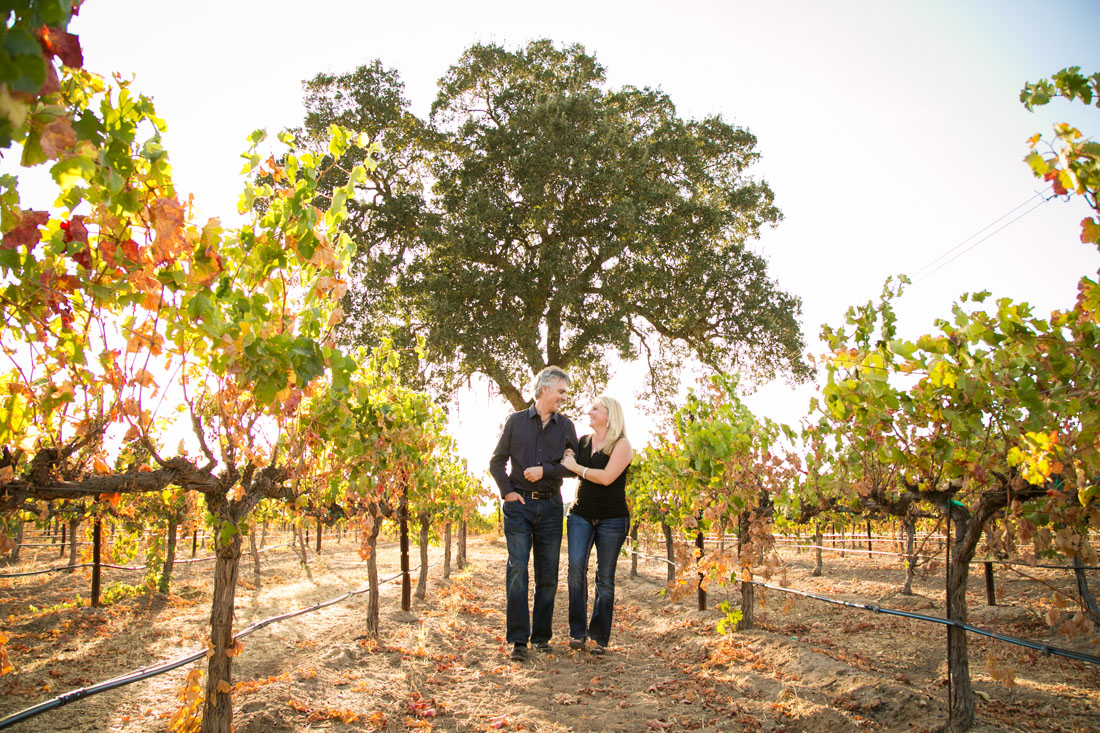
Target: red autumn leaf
74 229
52 83
58 138
26 231
112 498
83 258
63 45
131 251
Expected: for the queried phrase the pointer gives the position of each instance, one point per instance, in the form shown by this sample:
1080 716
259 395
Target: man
534 441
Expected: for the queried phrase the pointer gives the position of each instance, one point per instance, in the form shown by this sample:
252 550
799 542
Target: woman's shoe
576 644
597 650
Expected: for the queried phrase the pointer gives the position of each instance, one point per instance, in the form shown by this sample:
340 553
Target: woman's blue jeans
608 536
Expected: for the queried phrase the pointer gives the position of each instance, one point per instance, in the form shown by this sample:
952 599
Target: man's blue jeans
536 526
608 536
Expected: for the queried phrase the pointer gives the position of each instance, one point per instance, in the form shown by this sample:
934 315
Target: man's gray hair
547 377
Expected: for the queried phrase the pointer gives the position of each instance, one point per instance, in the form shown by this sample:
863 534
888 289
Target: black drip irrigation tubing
156 669
66 568
1046 649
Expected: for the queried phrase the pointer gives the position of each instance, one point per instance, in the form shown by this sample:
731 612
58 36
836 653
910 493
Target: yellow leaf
223 687
100 466
1034 139
13 109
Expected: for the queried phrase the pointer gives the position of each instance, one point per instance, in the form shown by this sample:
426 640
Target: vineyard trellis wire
68 568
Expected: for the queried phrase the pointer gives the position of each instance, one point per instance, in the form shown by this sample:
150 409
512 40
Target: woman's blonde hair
616 425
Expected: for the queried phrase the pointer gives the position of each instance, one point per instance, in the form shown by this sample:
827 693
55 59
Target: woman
599 517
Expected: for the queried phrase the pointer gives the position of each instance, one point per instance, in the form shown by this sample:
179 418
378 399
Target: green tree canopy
565 221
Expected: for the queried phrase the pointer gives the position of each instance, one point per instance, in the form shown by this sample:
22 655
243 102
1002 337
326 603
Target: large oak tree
539 217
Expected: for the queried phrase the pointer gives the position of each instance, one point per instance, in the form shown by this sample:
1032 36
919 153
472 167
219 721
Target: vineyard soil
444 666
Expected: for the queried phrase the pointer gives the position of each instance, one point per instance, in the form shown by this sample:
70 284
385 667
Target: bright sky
890 132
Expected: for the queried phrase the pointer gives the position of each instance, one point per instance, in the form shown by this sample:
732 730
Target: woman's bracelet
584 473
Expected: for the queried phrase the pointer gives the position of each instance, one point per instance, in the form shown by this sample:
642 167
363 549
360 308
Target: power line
971 246
993 223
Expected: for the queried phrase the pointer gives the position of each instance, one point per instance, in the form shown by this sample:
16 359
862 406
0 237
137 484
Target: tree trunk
18 543
194 542
406 580
634 551
910 556
255 553
63 528
1083 590
263 535
461 559
303 556
748 595
669 552
447 549
701 590
97 534
74 523
958 659
818 539
868 538
372 576
319 526
422 578
169 557
217 714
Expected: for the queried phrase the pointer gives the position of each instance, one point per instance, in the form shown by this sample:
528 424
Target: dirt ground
810 666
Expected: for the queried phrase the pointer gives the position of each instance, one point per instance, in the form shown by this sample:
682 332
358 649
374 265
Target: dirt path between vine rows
444 666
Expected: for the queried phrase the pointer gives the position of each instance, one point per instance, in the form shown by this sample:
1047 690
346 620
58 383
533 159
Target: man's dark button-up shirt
526 443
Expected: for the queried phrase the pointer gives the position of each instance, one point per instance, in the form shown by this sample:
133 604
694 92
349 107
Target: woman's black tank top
593 500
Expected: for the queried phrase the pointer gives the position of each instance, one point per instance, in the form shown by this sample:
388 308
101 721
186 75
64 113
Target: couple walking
542 447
